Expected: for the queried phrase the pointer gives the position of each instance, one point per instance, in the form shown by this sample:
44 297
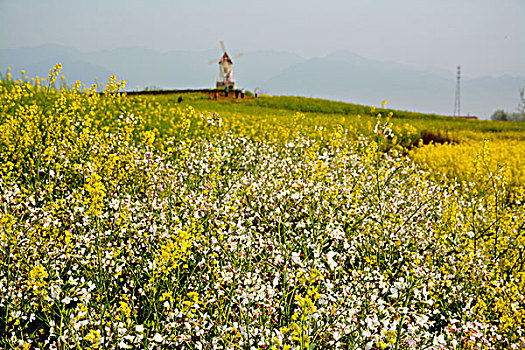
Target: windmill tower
225 69
457 100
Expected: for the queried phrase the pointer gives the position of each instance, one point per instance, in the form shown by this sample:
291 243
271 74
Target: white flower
422 320
139 328
276 280
123 345
394 293
227 276
337 233
330 260
295 258
158 338
55 291
329 285
440 340
114 203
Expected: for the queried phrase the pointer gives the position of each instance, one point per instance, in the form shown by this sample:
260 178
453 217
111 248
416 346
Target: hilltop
340 76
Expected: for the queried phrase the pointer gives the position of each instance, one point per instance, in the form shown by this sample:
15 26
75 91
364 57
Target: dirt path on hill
221 95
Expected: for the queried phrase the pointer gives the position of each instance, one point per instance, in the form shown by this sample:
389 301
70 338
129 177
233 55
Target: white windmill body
225 70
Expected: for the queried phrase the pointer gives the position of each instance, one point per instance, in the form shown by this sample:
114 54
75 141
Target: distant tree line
518 116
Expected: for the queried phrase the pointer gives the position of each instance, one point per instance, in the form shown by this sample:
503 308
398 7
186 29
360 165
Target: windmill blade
236 56
213 61
222 46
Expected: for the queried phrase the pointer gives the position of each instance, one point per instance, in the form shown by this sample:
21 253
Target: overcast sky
487 37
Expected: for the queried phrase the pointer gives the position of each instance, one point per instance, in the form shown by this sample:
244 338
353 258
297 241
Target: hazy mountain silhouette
349 77
39 59
341 75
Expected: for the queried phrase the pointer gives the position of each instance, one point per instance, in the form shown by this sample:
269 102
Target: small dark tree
500 115
521 106
518 116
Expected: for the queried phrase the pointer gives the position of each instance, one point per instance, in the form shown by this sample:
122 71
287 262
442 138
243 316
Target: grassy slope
328 112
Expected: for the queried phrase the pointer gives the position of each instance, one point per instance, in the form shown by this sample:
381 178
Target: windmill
225 69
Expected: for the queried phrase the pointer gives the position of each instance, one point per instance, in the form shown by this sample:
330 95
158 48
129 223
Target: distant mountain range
340 76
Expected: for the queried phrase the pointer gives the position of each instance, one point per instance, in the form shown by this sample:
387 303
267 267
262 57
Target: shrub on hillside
436 136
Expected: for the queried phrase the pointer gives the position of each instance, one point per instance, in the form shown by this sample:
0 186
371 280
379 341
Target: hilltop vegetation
140 222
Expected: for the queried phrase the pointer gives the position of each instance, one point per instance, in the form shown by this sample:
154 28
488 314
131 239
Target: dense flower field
456 142
128 225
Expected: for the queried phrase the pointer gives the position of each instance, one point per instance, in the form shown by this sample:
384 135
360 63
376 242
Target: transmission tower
457 100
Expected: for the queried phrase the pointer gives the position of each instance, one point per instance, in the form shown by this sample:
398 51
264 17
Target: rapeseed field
141 223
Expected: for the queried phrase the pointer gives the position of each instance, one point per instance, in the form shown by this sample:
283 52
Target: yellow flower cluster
476 160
